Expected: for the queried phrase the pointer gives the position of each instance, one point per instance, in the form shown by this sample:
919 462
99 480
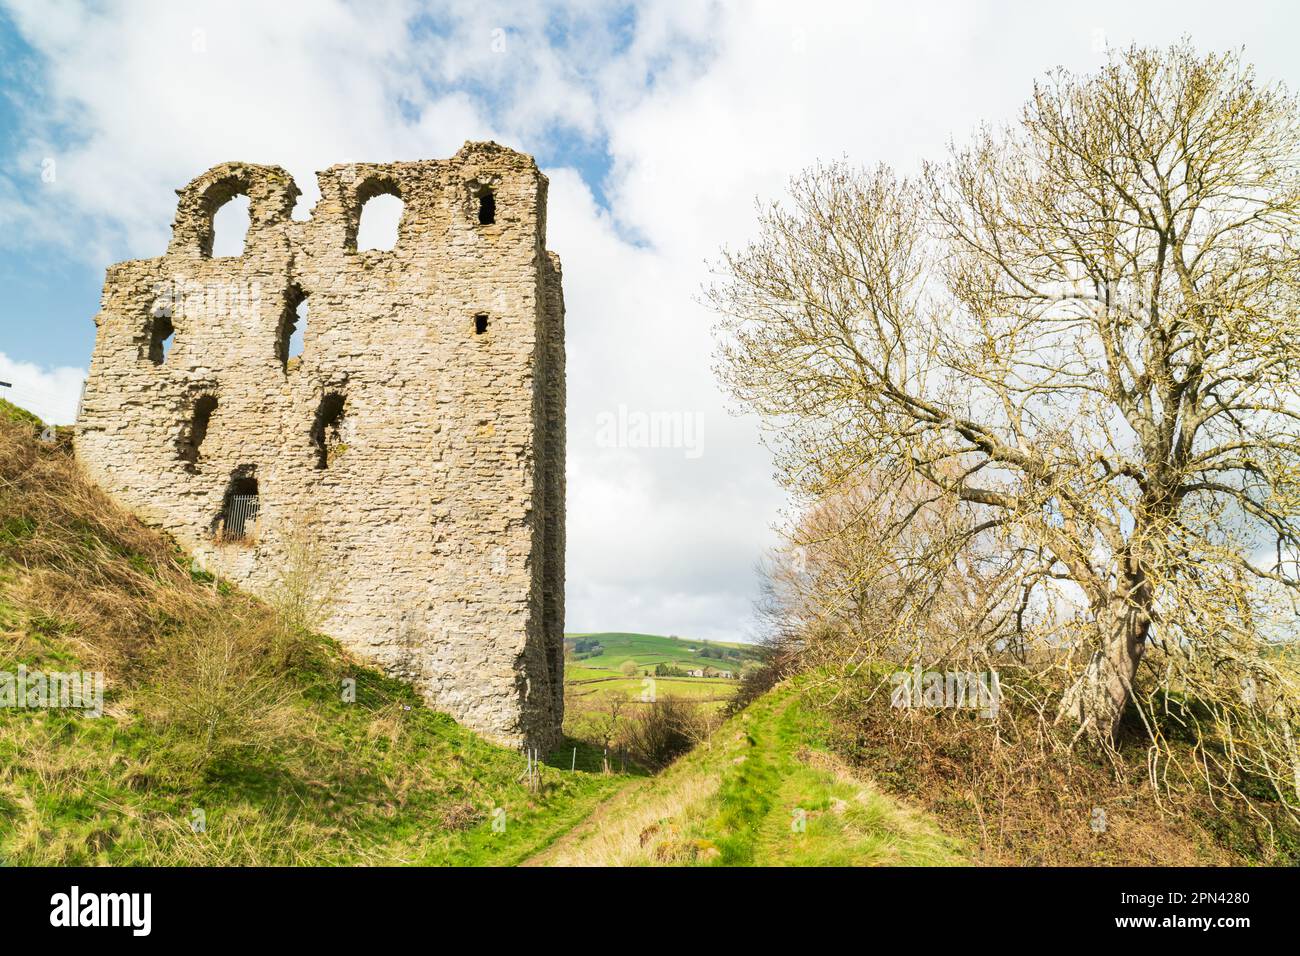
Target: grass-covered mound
226 738
9 412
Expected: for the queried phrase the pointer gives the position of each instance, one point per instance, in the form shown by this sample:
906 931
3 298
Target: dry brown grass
123 600
86 567
613 836
1018 790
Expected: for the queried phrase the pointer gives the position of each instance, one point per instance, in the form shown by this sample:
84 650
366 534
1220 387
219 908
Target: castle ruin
418 438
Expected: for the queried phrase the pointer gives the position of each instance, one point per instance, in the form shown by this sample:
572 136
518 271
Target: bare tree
1080 334
886 569
303 592
598 718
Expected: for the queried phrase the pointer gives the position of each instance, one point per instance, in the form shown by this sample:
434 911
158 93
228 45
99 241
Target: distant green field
601 674
647 650
632 687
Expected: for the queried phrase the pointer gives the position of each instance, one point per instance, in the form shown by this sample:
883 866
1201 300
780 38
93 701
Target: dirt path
589 826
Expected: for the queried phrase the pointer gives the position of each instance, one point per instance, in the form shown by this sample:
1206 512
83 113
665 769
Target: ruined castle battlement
419 436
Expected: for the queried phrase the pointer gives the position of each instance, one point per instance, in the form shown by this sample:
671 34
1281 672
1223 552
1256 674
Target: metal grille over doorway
240 517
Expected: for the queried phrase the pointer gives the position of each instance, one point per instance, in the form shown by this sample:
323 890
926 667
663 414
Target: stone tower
416 444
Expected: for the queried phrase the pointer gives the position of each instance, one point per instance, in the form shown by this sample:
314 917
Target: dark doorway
240 509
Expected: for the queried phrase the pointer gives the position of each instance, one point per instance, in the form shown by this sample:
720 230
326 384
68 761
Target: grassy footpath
763 792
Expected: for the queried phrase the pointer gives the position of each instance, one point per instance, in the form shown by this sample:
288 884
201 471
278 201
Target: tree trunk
1096 701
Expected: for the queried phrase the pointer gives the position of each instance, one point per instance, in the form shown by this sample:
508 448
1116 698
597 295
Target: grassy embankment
226 738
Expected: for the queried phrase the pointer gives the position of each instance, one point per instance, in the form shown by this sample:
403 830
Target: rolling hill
647 650
594 673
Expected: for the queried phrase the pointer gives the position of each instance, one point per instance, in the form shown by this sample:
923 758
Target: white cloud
702 107
51 393
660 539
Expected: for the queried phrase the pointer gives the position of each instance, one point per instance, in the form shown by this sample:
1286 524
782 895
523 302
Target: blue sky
48 297
51 296
659 125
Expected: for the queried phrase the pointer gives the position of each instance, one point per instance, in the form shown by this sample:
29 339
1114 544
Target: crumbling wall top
477 169
271 194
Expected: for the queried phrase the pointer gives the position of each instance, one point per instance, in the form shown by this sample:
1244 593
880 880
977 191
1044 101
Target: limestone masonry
418 440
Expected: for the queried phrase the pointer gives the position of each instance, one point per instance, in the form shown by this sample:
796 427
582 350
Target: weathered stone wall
440 504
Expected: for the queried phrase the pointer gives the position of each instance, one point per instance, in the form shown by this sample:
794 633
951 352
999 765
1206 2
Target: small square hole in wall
480 323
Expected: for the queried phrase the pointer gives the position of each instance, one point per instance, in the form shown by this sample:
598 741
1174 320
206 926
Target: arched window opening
290 336
197 430
327 430
230 227
378 227
303 206
161 336
487 208
239 510
480 323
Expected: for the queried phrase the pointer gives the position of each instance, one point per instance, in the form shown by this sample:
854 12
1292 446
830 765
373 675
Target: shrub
662 731
217 688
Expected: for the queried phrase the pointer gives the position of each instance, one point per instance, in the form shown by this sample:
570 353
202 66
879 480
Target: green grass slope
647 650
226 736
764 791
597 675
10 412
